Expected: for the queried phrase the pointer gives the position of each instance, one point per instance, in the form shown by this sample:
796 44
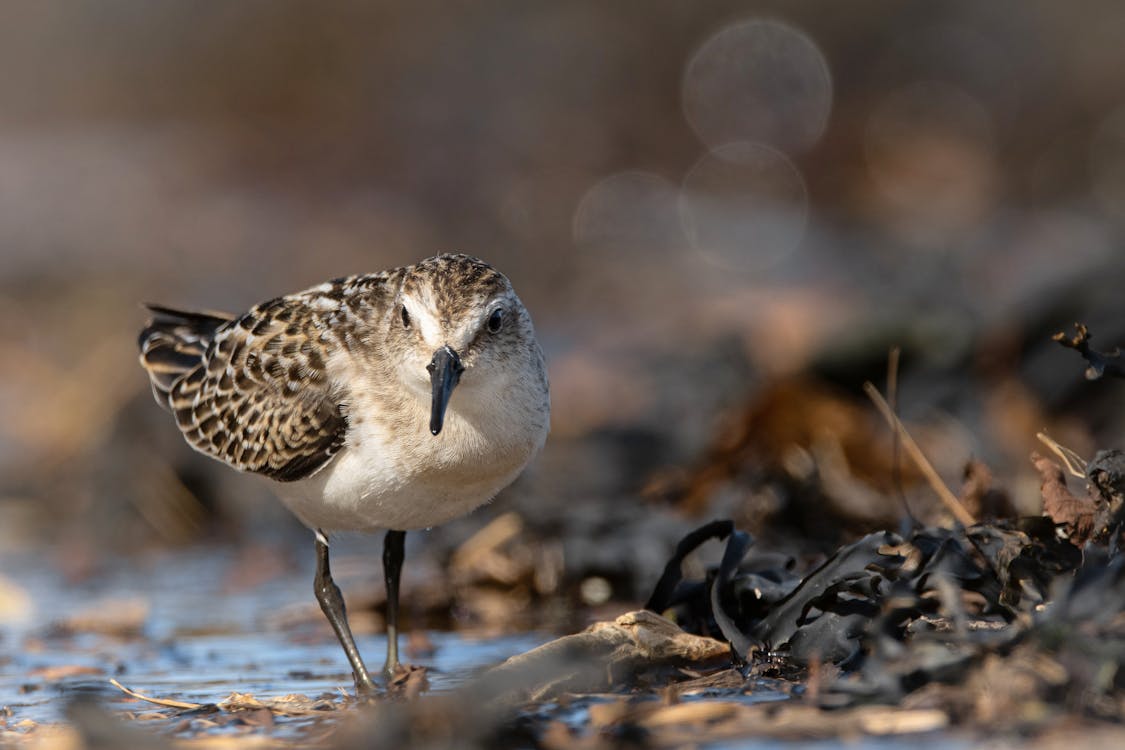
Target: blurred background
722 215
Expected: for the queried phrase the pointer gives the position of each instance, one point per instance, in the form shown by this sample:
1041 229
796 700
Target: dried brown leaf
660 639
1060 504
589 660
980 496
286 705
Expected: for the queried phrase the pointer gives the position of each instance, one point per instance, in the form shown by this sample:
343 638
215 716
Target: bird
391 401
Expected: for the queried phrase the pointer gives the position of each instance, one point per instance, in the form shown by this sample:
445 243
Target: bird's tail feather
173 344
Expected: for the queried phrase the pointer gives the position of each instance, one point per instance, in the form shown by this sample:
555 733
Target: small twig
944 494
1075 464
896 443
158 701
1101 363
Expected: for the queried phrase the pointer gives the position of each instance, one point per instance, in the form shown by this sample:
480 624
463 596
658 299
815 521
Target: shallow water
198 639
195 640
195 637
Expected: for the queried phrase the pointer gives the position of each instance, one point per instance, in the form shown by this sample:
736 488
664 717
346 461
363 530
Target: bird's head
458 324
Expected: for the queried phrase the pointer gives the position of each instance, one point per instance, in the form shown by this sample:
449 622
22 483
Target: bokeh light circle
744 206
760 81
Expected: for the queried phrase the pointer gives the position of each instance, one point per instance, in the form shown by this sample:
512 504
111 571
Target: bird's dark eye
495 320
405 317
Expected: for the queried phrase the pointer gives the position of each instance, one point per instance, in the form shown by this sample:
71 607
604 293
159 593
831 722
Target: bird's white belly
410 482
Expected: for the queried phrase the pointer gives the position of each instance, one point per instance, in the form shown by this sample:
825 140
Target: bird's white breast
394 474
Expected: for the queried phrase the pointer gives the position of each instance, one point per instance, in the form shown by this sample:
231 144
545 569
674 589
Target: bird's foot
365 688
406 680
393 669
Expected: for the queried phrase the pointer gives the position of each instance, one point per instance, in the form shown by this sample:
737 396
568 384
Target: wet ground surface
174 628
206 669
199 626
170 629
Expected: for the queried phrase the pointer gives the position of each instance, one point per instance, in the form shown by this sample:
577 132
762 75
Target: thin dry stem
1075 464
158 701
893 357
944 493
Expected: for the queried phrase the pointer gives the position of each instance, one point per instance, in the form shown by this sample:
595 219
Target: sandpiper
343 395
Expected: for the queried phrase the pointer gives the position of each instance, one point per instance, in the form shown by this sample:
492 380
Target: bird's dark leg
332 603
393 548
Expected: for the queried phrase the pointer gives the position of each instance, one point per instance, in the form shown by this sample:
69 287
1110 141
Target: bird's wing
254 391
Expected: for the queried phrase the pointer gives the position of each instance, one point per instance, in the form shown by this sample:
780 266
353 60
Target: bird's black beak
445 372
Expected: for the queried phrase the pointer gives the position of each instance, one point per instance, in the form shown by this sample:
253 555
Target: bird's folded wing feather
259 397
